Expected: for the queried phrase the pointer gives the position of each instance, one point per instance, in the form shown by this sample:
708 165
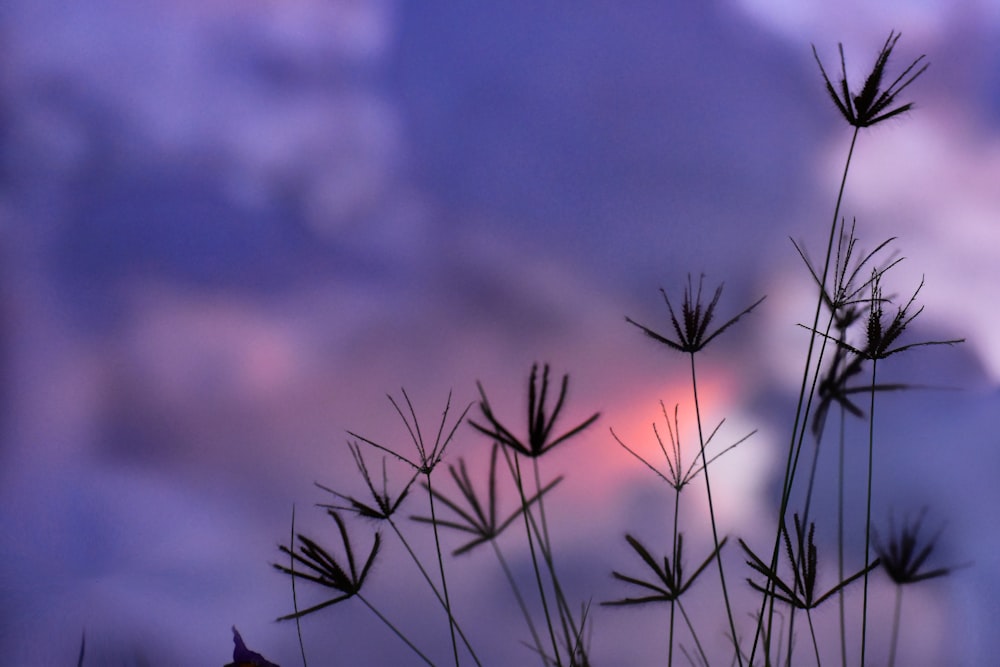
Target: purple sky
229 228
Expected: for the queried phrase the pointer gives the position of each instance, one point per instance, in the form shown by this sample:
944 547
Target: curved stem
711 514
295 598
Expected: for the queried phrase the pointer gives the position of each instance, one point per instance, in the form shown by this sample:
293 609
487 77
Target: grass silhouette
853 327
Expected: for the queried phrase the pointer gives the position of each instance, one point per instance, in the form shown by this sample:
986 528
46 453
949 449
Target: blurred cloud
229 228
860 20
939 195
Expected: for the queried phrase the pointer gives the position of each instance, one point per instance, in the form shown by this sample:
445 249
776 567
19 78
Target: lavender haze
229 228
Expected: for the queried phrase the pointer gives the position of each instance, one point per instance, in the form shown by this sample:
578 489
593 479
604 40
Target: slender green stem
444 580
394 629
897 613
868 516
711 513
801 410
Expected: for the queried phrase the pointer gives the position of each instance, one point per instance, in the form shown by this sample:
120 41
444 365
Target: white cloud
933 185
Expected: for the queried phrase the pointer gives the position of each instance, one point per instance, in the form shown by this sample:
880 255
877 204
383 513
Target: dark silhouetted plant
692 331
668 584
854 326
539 440
801 592
323 569
696 316
903 557
427 460
540 424
382 508
678 476
882 336
872 104
480 520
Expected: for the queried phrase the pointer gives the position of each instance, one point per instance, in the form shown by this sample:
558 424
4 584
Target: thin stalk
812 631
518 482
541 505
868 517
394 629
433 587
791 631
444 581
840 539
802 407
517 595
295 598
675 555
694 635
570 633
711 512
897 612
812 480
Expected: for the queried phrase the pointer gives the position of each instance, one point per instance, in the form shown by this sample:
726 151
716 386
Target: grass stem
675 555
896 614
868 510
444 580
694 635
711 513
295 599
394 629
840 538
536 640
802 407
430 583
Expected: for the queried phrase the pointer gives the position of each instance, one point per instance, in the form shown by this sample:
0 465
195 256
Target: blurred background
229 227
